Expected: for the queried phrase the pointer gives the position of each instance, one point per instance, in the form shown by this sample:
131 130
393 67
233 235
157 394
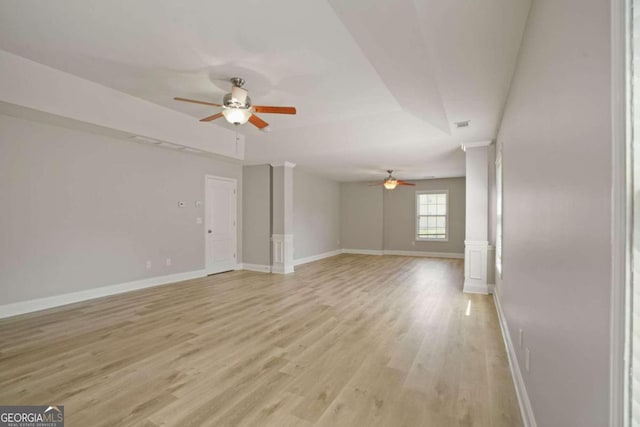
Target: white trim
239 266
475 273
282 253
285 164
491 267
363 251
29 306
477 242
417 213
222 178
477 144
476 288
318 257
236 222
278 269
621 223
499 214
453 255
521 391
492 288
256 267
424 254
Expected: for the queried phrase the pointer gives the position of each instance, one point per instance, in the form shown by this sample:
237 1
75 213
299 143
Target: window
499 215
432 215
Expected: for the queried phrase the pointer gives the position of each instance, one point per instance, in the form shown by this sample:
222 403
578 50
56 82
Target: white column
476 242
282 218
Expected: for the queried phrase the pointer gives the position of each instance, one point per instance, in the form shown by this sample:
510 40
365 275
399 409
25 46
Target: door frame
207 177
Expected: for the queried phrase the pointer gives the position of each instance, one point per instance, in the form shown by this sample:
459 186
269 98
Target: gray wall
556 146
361 216
316 214
375 219
80 210
256 226
400 217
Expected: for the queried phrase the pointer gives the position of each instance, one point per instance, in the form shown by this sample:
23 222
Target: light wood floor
348 341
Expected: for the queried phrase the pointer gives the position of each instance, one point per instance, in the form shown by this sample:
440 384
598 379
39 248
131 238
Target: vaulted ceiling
377 83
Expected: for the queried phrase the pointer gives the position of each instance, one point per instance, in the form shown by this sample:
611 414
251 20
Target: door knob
209 231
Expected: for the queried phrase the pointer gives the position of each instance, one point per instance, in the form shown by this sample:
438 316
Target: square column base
282 253
475 267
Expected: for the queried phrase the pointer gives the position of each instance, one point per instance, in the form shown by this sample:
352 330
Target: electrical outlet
199 220
521 338
527 359
148 265
168 261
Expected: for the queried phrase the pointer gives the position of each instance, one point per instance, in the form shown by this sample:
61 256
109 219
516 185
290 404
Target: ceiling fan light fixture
237 108
236 116
390 183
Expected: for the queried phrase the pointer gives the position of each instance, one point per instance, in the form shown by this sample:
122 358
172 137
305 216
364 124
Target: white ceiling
377 83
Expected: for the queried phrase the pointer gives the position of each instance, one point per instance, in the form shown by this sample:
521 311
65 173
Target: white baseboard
29 306
475 288
521 391
425 254
316 257
257 267
278 269
362 251
282 253
404 253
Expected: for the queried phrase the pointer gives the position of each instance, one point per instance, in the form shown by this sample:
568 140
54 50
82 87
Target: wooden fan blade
197 102
258 122
274 110
211 118
401 182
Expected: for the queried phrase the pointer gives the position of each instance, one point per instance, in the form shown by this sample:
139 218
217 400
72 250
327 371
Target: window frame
417 216
499 214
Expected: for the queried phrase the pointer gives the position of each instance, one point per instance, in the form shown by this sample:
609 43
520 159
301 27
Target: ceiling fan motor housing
230 102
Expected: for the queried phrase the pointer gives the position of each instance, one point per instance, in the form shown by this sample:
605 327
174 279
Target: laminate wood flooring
351 340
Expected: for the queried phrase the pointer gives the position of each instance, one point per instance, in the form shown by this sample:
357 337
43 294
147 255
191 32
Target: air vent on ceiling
464 124
190 150
145 139
170 145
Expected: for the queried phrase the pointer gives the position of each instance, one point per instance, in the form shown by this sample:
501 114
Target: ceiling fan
390 182
237 108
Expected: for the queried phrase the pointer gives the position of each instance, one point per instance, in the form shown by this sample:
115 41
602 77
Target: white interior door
220 224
